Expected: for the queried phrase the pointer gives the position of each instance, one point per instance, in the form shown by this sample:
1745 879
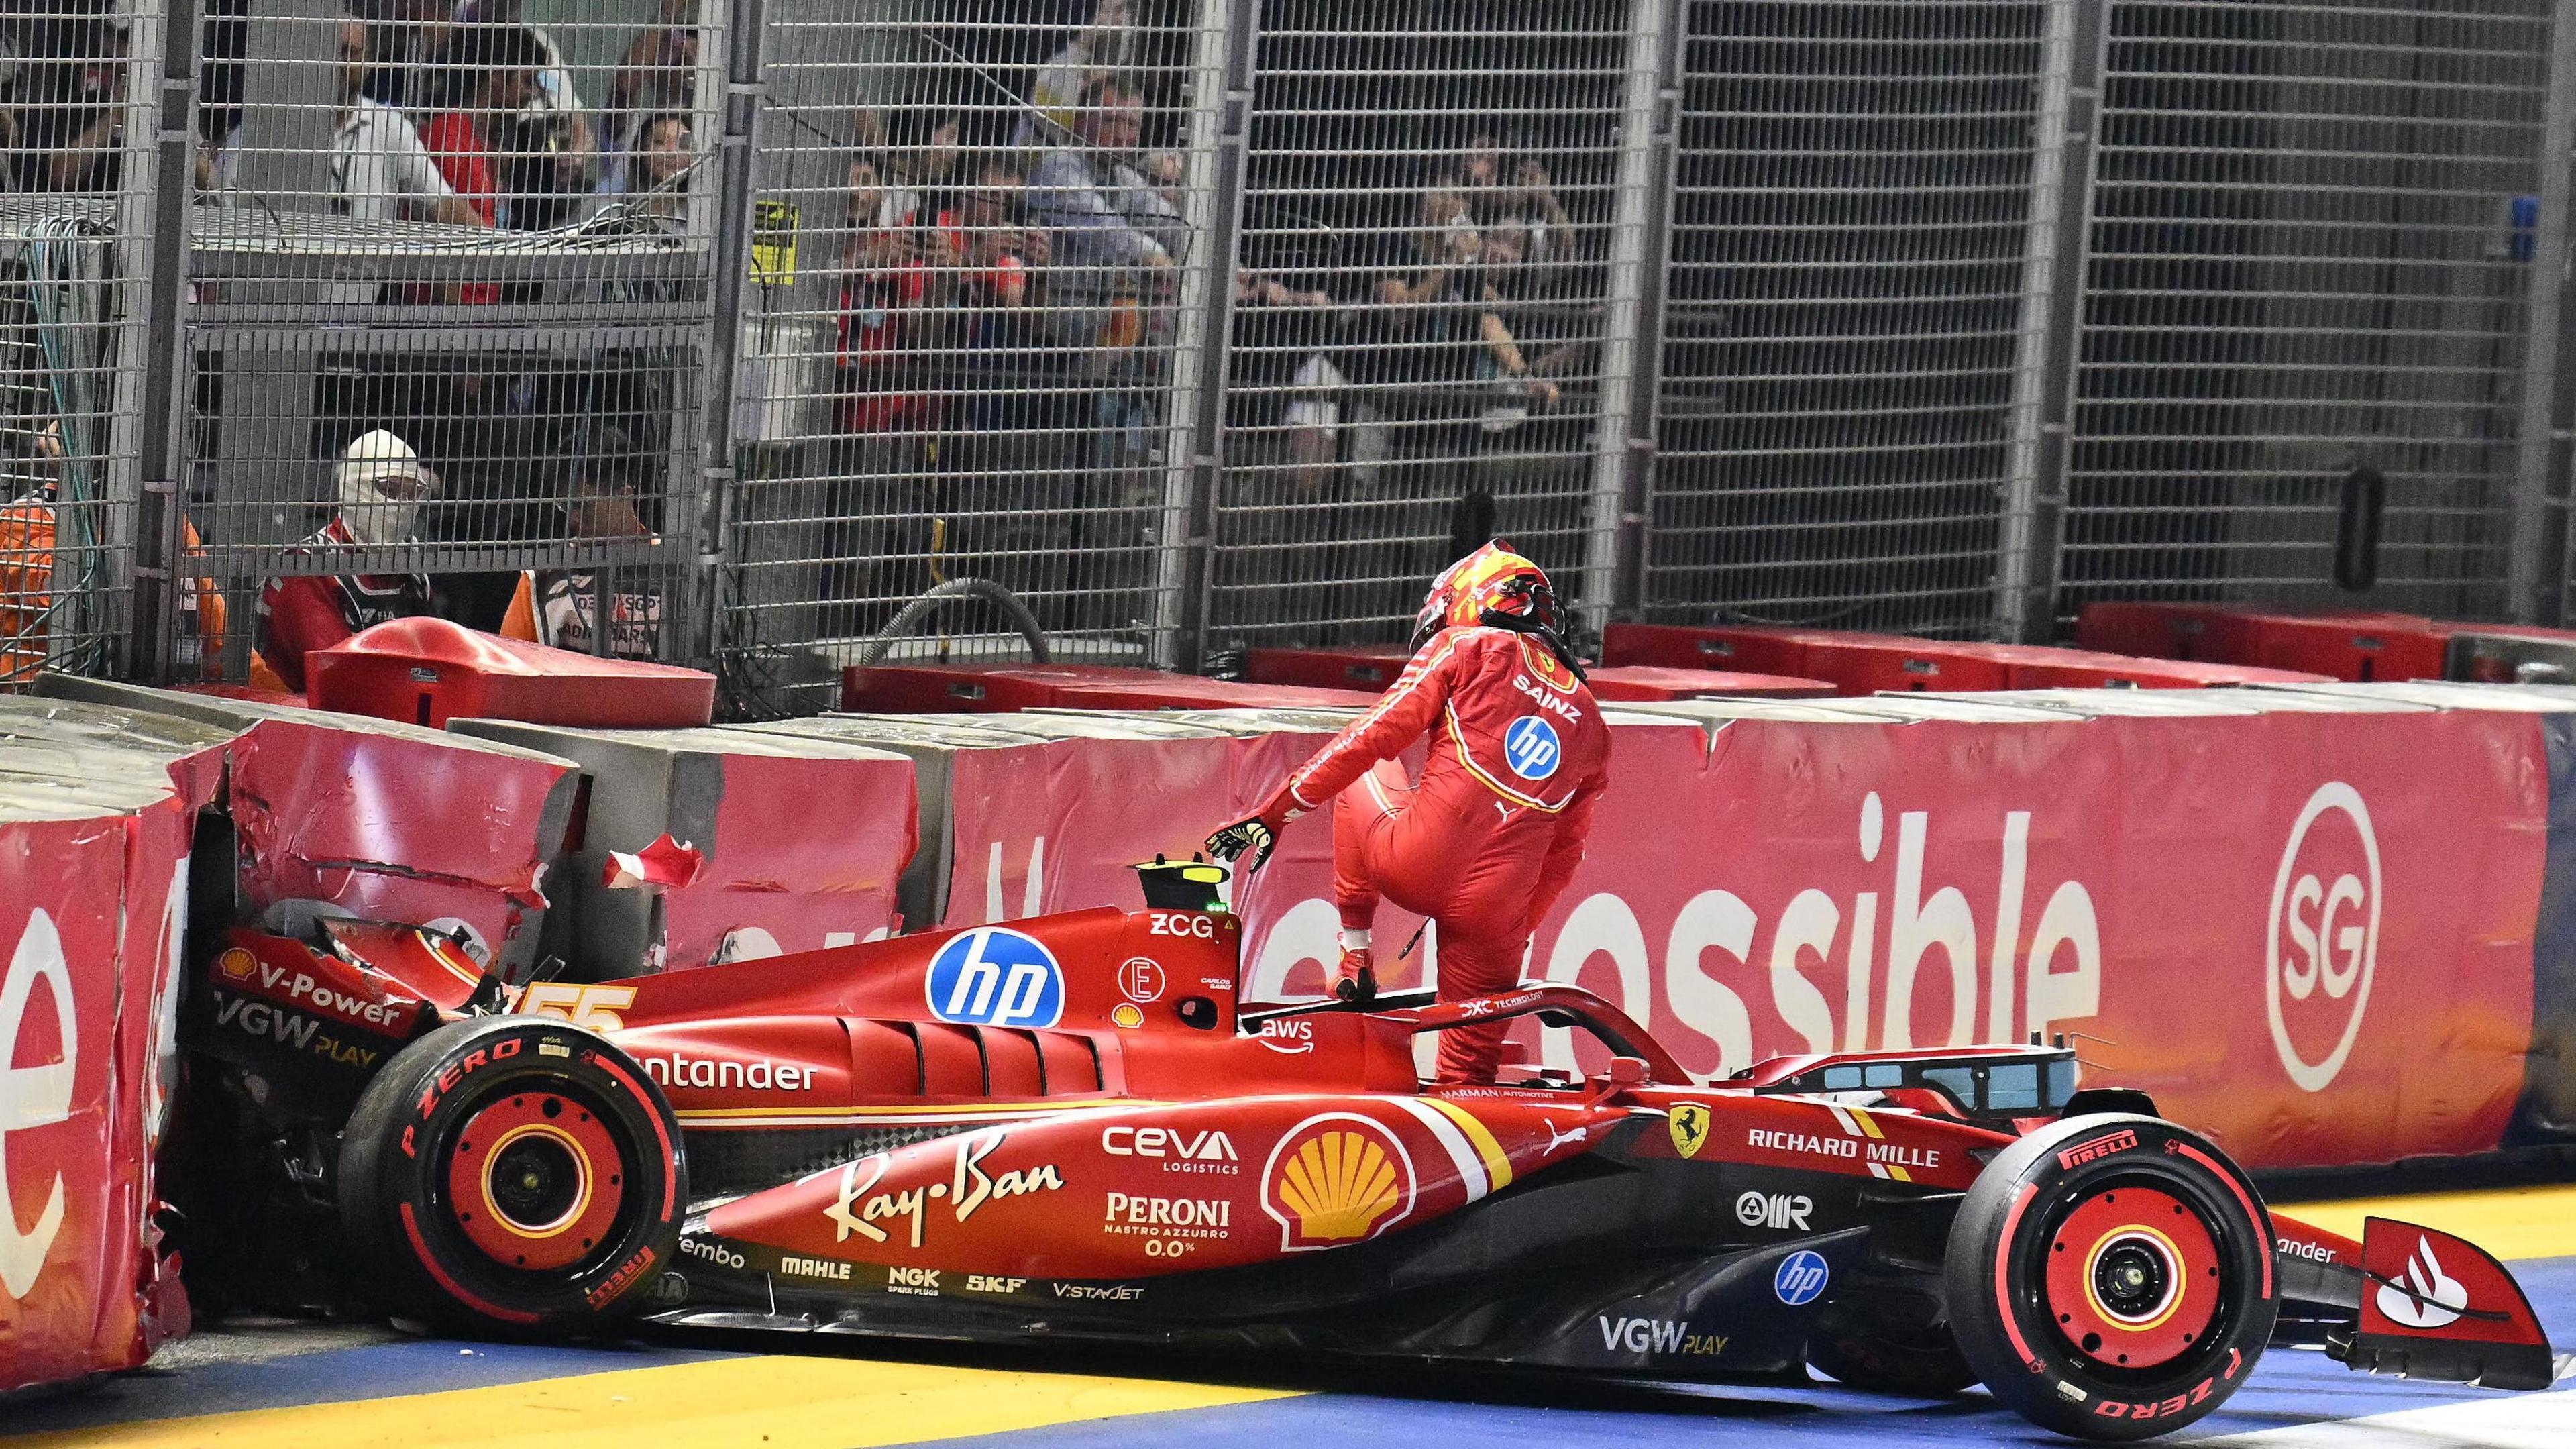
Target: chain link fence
1437 290
76 163
2313 235
1850 294
716 330
979 261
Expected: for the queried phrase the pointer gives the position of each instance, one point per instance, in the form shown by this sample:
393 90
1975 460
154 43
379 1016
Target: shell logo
1336 1178
236 963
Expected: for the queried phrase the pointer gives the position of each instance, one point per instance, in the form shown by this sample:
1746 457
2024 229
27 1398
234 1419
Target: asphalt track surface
361 1387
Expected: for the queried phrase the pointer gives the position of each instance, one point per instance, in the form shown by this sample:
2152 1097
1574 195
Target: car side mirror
1627 1071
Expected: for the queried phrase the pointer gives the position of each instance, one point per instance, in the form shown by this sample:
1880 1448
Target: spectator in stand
660 190
380 170
1009 435
903 236
903 242
409 39
659 73
66 102
1527 200
381 486
494 72
1095 52
1076 193
546 147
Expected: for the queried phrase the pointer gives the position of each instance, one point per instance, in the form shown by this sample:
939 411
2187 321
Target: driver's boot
1354 980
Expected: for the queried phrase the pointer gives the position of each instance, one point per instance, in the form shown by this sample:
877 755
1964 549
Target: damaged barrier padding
342 815
428 671
802 841
97 812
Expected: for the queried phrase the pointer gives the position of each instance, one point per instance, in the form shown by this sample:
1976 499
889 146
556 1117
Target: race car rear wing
2413 1301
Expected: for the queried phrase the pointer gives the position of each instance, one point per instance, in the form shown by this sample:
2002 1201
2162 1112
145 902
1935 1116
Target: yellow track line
770 1403
2510 1222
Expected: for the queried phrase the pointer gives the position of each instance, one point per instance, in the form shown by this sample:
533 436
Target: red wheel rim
2133 1278
536 1180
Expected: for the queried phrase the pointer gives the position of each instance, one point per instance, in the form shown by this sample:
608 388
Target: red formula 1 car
1065 1127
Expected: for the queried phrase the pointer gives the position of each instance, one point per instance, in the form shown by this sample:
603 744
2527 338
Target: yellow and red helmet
1494 586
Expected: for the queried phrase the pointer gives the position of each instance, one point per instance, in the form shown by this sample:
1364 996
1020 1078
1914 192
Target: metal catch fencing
1436 304
980 255
1846 378
2314 234
77 167
715 330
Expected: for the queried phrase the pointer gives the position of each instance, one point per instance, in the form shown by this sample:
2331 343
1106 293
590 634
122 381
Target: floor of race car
248 1386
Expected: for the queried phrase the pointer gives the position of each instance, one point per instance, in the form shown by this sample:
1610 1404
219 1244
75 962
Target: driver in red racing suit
1484 842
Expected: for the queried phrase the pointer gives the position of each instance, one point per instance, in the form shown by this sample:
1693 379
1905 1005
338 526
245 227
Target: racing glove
1257 834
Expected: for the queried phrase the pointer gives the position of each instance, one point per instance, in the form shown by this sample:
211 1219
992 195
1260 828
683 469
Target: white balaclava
370 515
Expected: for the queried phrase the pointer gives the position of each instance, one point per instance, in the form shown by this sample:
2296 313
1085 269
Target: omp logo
2436 1298
32 1097
995 976
2098 1147
2329 918
1774 1210
1530 747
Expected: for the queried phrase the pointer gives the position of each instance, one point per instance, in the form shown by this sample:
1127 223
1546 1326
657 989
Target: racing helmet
1492 586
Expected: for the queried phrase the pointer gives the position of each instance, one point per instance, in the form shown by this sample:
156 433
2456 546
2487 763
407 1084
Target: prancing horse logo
1690 1128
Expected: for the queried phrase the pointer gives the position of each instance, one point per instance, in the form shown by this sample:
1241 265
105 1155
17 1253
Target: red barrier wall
2306 933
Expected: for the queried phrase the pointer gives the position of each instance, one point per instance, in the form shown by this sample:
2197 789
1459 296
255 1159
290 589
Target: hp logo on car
1531 747
992 976
1800 1277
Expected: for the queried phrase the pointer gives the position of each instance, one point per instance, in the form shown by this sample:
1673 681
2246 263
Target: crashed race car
1067 1127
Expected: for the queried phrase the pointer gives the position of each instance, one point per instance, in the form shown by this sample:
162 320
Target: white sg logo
2333 927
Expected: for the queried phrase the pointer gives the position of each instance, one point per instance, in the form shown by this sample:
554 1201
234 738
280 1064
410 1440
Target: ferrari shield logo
1690 1128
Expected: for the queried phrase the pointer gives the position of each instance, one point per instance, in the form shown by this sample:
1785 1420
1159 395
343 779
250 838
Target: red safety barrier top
429 671
1371 667
1648 682
1000 688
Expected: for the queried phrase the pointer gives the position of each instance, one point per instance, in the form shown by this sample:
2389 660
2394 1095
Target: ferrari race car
1067 1127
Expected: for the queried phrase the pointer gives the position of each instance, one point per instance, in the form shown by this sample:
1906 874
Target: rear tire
515 1176
2110 1277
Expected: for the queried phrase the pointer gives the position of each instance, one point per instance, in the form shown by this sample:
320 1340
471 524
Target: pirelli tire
2110 1277
513 1176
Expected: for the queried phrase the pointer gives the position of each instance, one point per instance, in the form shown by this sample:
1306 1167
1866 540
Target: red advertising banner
1053 825
2307 934
64 1212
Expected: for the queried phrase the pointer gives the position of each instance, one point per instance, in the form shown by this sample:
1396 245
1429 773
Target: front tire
514 1176
2110 1277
